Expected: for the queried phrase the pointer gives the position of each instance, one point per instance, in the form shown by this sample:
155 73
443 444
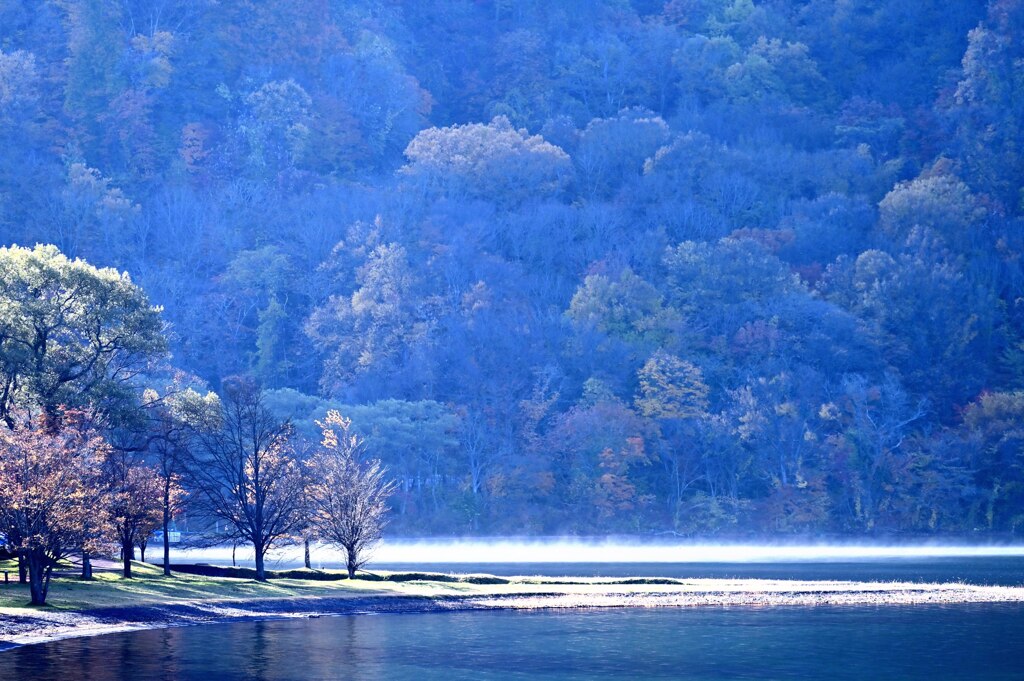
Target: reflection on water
933 643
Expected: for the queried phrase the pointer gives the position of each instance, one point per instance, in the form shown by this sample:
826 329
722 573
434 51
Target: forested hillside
696 266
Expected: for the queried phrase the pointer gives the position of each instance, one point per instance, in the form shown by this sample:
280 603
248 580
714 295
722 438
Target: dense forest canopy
694 266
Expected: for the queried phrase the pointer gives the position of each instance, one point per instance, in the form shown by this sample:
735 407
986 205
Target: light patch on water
572 550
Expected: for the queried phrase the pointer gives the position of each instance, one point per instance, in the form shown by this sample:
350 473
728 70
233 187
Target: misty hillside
695 266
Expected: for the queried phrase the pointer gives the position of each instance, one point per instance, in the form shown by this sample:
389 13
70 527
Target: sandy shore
38 626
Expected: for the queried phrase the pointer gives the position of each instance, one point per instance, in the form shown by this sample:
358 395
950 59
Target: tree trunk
142 551
38 578
46 580
127 553
261 573
351 563
305 546
86 565
234 545
167 540
53 417
22 570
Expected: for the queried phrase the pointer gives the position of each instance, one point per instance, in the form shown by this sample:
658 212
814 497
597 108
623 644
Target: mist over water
561 550
618 557
569 550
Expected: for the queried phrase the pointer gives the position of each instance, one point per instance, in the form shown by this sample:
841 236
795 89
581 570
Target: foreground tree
243 471
135 498
71 334
50 494
347 496
173 423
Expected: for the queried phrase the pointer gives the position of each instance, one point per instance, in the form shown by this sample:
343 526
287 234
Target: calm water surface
932 643
899 642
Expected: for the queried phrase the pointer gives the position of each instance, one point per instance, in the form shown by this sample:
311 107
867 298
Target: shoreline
30 627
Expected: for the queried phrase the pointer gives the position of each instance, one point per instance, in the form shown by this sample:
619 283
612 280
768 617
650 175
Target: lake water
975 642
928 643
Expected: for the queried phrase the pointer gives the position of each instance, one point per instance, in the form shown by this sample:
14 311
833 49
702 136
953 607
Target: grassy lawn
149 586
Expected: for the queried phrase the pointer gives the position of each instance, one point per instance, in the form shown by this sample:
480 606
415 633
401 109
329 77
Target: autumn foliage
51 500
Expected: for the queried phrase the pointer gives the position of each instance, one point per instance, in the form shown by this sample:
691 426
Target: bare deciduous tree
347 496
243 471
174 424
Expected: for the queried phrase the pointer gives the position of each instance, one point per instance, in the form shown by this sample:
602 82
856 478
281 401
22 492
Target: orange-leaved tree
50 494
135 498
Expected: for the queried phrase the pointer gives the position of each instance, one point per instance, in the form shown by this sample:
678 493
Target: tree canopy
71 334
